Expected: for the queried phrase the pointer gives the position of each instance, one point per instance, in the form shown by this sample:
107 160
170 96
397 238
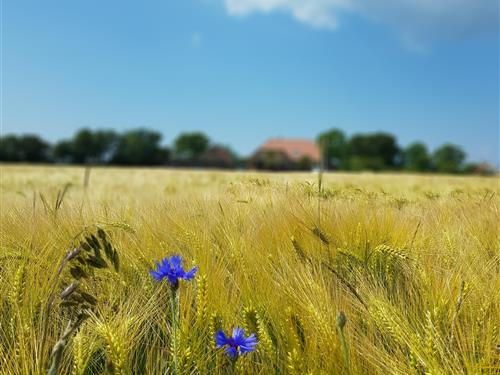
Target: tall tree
93 146
104 144
82 147
140 147
34 149
374 151
188 147
416 157
448 158
9 148
332 144
62 151
26 148
86 146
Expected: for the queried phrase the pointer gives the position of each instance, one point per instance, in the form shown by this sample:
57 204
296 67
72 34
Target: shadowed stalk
320 186
457 311
341 321
52 295
83 260
86 177
58 349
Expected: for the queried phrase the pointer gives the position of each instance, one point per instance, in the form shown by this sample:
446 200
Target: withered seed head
69 290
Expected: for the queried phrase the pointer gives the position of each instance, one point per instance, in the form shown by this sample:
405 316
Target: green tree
82 146
26 148
9 148
448 158
34 149
416 157
188 147
103 146
375 151
140 147
219 156
360 163
304 164
93 147
86 146
63 151
333 145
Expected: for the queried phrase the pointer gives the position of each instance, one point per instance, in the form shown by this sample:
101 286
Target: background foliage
374 151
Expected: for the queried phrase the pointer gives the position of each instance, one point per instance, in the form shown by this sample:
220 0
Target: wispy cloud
317 13
418 21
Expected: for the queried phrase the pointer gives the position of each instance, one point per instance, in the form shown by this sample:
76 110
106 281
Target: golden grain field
412 261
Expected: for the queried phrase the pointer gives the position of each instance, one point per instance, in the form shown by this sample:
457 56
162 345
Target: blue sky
246 70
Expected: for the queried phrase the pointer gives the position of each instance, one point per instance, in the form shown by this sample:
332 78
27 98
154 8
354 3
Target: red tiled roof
294 149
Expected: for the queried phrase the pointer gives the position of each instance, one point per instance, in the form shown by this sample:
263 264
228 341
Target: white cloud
416 21
318 13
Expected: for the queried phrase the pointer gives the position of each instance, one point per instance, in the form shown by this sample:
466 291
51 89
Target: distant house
286 154
218 157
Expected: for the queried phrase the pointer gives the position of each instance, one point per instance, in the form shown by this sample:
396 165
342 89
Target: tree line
373 151
134 147
380 151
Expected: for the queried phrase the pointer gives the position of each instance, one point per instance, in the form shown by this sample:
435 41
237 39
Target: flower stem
175 320
345 349
341 321
232 365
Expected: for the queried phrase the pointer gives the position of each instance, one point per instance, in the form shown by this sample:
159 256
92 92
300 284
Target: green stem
175 320
345 349
232 366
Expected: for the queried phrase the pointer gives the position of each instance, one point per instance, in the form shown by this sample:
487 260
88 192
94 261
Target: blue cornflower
235 342
171 268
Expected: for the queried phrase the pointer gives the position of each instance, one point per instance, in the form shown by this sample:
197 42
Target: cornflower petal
246 349
221 339
176 262
165 264
156 275
190 274
232 352
237 343
248 344
238 335
171 269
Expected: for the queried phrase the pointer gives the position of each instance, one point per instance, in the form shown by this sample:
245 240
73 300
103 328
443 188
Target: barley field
343 274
